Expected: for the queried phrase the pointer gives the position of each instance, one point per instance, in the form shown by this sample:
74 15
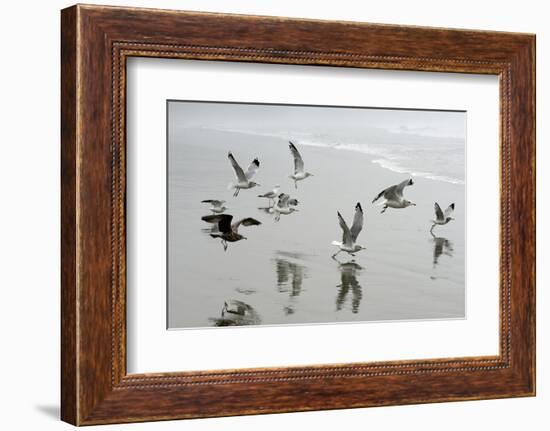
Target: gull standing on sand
216 206
394 196
271 195
299 171
284 206
441 217
349 236
228 232
243 178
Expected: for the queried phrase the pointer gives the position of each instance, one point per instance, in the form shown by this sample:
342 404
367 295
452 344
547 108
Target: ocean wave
385 159
390 156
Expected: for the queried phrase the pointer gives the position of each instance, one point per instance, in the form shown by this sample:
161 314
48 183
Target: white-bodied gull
216 206
284 206
228 232
299 171
394 196
441 217
244 179
349 236
271 195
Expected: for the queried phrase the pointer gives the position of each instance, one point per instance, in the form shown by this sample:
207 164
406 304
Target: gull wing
438 212
346 234
252 169
449 210
241 177
248 221
383 193
399 187
298 162
283 200
357 225
223 221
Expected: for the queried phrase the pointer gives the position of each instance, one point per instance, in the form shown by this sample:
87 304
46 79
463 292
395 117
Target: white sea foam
438 159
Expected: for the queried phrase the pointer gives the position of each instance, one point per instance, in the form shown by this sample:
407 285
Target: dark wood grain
96 41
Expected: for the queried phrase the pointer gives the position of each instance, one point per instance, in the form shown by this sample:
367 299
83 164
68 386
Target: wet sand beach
284 270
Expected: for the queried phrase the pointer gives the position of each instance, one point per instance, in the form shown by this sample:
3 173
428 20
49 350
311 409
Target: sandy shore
284 270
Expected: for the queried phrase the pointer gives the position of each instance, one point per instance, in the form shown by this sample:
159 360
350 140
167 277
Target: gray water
284 271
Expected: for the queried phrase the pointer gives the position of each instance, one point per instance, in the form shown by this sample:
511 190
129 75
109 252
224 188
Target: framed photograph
325 214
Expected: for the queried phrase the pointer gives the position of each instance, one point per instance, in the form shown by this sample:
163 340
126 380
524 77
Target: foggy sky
306 119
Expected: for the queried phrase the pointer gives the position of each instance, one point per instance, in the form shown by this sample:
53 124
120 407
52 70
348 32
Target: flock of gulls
227 230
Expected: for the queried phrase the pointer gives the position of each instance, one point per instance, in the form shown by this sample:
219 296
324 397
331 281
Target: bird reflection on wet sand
236 313
290 276
441 246
348 276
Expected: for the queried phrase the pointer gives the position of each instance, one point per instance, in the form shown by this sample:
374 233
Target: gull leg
431 230
296 184
236 192
384 209
224 243
335 254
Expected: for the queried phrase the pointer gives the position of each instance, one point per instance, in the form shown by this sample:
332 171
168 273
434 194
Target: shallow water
284 271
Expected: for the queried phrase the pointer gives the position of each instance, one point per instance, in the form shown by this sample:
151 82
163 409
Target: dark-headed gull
349 236
244 179
299 171
441 217
394 196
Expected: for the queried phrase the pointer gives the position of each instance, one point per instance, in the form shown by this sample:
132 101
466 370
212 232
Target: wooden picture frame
95 43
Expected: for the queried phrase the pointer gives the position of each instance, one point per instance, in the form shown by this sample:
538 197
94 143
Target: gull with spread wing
394 196
349 236
244 179
441 217
227 231
299 171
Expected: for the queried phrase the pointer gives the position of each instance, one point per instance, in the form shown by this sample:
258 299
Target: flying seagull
299 172
394 196
271 195
228 232
244 179
284 206
216 206
441 217
349 236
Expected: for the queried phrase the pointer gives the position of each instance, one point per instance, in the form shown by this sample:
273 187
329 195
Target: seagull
349 236
394 196
441 217
284 206
228 232
243 178
299 172
271 195
216 206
